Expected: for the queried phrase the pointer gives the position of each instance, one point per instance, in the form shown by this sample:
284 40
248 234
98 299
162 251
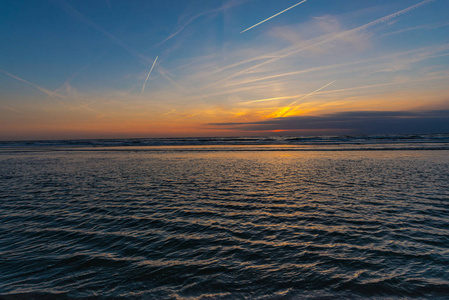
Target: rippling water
224 224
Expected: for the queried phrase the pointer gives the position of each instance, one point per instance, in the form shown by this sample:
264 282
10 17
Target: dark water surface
224 224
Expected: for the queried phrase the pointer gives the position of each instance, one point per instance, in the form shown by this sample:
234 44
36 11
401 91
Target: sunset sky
81 68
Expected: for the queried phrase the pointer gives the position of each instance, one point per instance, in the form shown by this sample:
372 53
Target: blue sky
79 69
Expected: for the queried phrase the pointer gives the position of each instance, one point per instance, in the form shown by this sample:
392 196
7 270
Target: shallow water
224 224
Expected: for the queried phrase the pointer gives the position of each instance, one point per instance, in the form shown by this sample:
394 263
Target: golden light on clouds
309 60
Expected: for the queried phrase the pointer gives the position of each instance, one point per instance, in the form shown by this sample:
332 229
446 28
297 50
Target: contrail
82 18
273 16
170 112
385 84
327 39
12 109
192 19
43 90
348 89
308 95
267 99
148 76
392 16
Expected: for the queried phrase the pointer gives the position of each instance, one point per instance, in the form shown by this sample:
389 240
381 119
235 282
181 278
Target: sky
170 68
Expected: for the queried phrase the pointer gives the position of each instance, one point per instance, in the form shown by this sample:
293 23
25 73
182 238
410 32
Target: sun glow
307 60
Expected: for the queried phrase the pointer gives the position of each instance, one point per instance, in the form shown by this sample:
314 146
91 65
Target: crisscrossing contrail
273 16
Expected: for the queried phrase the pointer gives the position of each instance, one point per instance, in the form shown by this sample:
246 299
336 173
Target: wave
356 142
122 225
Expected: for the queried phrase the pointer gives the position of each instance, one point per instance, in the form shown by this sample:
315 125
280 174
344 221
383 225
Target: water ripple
224 225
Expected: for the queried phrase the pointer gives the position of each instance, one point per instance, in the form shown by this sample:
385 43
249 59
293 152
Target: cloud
353 122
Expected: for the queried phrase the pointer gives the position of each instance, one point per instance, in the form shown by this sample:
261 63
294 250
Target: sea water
255 218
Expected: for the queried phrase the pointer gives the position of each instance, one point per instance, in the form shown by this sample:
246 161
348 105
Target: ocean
325 217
